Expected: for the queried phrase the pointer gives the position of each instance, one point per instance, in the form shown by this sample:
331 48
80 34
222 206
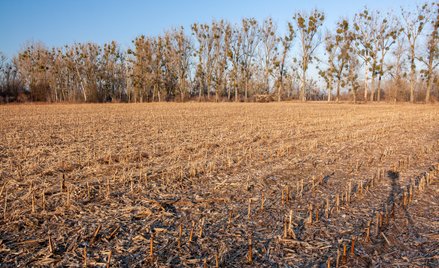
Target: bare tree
269 50
222 34
286 43
112 73
397 67
352 81
142 72
249 43
235 55
387 33
181 59
238 60
365 34
342 45
205 38
308 28
33 65
327 73
2 61
431 57
413 23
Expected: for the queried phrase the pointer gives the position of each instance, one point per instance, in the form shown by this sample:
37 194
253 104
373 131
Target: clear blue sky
59 22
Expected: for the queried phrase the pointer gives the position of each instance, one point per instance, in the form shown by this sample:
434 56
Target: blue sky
59 22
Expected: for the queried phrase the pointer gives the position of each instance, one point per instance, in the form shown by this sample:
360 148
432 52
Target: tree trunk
337 98
181 95
429 83
412 76
82 84
267 82
372 87
279 92
302 87
208 89
329 89
366 78
200 91
379 89
245 89
236 93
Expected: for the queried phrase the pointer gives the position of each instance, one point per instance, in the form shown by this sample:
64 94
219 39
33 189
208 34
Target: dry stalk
344 258
68 194
85 256
113 233
43 200
337 260
191 234
33 203
88 190
290 225
51 246
317 214
327 208
349 192
63 183
249 210
250 250
95 234
367 232
310 209
180 233
151 245
385 238
108 259
353 245
360 189
5 205
301 187
377 225
404 198
107 196
411 193
282 198
337 202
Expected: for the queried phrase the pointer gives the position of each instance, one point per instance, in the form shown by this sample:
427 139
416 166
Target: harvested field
219 185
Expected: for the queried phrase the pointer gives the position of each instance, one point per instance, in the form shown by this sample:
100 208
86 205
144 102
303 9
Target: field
219 185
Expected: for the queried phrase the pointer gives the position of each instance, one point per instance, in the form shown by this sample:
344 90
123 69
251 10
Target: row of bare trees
372 56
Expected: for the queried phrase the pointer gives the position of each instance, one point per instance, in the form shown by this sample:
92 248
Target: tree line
373 56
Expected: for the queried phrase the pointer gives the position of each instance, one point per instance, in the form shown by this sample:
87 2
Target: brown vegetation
213 185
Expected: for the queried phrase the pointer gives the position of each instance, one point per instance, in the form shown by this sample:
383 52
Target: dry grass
208 185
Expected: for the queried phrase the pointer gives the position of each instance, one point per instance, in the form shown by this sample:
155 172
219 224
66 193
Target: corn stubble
219 185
